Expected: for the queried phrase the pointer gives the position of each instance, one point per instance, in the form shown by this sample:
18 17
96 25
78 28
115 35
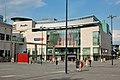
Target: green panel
95 38
86 51
105 26
95 50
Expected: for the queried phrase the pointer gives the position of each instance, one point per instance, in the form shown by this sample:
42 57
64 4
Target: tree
54 36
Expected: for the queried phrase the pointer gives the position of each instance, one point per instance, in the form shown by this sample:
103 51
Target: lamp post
41 45
66 36
5 20
111 18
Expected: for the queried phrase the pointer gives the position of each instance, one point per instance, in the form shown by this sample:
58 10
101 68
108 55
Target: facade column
13 52
35 52
78 54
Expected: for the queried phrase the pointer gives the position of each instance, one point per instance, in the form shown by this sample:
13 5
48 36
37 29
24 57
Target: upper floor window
95 38
57 37
2 36
8 37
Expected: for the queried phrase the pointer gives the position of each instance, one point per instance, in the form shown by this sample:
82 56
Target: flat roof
20 19
82 18
7 25
69 26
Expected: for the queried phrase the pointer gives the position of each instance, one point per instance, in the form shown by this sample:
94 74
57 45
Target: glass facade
105 27
57 37
95 38
86 51
95 50
95 53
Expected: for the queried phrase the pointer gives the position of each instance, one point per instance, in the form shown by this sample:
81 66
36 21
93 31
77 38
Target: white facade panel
87 38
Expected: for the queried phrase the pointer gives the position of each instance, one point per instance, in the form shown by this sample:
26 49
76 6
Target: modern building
87 37
5 41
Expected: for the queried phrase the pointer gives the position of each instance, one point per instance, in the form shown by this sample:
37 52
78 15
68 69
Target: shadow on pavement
68 78
109 66
74 71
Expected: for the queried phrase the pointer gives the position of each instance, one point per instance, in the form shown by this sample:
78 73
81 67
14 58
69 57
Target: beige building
87 37
23 30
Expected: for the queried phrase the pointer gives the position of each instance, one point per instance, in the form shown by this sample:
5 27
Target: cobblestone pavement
49 71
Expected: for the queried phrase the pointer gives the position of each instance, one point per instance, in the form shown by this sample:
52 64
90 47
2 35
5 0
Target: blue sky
38 9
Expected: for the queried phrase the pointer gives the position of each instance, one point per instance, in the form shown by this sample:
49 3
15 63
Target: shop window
95 50
86 51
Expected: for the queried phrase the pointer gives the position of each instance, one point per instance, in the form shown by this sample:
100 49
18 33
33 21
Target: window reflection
57 37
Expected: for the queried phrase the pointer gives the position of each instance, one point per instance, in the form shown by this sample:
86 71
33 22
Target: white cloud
118 2
115 2
16 7
116 35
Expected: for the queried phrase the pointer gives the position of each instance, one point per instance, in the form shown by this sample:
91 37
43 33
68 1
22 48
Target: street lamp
5 20
66 36
111 18
42 44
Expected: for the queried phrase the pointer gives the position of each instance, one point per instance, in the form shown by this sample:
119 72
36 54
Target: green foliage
54 36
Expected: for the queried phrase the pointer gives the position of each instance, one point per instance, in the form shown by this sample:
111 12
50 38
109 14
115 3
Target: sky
39 9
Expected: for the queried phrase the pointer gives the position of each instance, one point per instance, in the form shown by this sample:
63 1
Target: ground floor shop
59 53
5 55
70 57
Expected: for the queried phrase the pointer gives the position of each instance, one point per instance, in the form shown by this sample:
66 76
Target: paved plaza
49 71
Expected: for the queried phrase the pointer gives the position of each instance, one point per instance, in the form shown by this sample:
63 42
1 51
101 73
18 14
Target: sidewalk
98 71
49 71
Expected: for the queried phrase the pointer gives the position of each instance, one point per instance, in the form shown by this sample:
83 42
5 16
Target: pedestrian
86 62
77 64
30 60
56 62
104 60
90 61
81 65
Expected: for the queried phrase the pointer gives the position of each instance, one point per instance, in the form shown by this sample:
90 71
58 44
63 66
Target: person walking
90 61
56 62
77 64
30 60
81 65
86 62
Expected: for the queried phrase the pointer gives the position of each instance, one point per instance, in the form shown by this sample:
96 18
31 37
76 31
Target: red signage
41 39
38 39
22 57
